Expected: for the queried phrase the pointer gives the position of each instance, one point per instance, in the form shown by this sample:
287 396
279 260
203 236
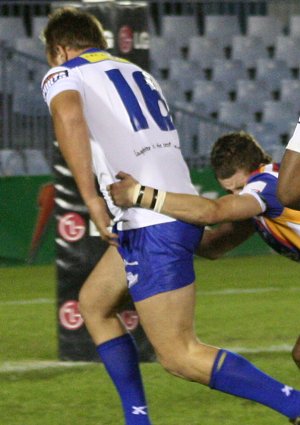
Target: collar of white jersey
88 56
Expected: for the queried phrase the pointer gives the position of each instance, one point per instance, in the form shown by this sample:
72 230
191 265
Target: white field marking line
238 291
27 366
23 366
283 348
28 302
228 291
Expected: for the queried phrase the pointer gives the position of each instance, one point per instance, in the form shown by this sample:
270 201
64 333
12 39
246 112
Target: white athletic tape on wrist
136 193
161 196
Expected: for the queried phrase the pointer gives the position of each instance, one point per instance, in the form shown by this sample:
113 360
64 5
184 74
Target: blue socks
232 374
235 375
120 358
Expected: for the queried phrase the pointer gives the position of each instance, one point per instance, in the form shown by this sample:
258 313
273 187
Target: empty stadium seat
30 46
229 71
223 27
265 133
294 25
10 28
279 114
272 71
30 102
287 49
12 163
187 126
179 29
236 114
184 72
203 50
210 93
160 55
171 91
38 25
248 49
35 162
290 92
254 93
266 27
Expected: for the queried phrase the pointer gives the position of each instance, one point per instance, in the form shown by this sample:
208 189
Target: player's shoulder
53 76
265 172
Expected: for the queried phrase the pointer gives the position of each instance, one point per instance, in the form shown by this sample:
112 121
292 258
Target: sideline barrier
19 211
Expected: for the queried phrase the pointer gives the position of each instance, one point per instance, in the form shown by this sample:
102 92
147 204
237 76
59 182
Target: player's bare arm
73 139
190 208
218 240
288 190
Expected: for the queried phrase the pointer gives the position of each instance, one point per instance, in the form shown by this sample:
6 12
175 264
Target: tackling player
245 171
109 115
289 175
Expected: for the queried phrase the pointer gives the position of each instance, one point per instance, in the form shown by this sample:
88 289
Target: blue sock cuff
216 367
114 342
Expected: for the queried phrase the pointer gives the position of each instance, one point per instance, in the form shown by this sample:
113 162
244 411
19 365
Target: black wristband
154 199
140 197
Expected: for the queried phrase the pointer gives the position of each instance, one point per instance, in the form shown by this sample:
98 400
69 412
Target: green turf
83 395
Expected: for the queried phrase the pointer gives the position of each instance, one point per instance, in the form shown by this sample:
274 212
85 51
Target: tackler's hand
123 192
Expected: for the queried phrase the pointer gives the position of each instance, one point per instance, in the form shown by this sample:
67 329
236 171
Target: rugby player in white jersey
110 115
289 174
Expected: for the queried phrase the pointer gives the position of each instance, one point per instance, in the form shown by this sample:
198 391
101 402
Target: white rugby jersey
294 143
130 128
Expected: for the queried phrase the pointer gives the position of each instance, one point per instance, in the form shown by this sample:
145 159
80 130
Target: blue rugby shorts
159 258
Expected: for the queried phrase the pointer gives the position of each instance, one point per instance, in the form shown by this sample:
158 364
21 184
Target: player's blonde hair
74 28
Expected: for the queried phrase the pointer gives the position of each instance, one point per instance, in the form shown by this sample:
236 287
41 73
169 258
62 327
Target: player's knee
87 303
173 364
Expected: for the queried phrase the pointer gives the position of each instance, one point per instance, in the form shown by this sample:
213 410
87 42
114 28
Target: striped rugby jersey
278 226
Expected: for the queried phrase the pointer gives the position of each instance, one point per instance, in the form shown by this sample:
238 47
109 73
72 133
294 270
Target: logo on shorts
71 227
132 279
69 316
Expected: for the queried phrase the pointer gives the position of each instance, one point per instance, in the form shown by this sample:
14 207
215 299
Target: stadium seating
290 92
35 162
38 25
172 91
279 114
223 27
160 56
254 93
287 49
294 25
272 71
178 29
10 28
228 71
265 27
265 133
236 114
30 46
184 73
11 163
248 49
203 50
210 93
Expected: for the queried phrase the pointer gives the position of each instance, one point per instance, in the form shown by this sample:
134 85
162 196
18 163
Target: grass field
248 304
